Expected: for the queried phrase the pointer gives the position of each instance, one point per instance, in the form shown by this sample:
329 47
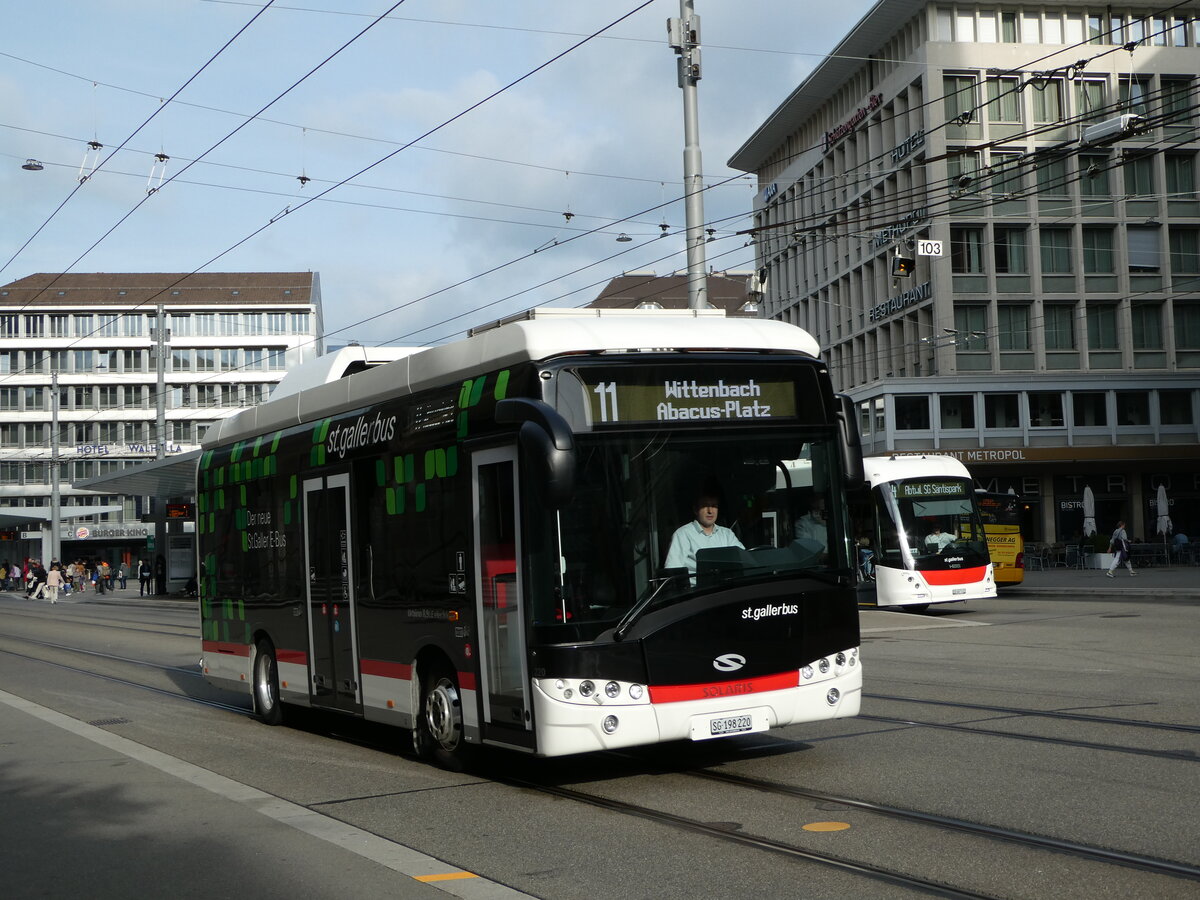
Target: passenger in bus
812 526
938 540
702 533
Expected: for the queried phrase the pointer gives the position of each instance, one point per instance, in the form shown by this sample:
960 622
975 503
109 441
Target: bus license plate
708 727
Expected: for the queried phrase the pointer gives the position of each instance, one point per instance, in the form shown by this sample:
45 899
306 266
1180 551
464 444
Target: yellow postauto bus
1001 514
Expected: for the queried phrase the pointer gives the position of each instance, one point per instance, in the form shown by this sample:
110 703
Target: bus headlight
635 692
610 724
586 689
833 696
612 690
823 665
807 672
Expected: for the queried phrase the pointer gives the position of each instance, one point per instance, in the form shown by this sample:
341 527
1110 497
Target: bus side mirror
851 443
547 443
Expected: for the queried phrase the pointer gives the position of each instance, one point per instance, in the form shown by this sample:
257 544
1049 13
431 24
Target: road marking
397 857
924 626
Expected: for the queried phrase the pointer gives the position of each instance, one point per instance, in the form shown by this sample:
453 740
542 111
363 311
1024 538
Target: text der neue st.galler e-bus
470 542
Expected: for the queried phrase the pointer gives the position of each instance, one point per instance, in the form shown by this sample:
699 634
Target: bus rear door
332 645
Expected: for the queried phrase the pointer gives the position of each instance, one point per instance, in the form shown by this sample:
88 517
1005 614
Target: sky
445 143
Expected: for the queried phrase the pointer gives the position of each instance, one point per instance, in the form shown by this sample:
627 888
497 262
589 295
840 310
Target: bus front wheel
439 727
266 684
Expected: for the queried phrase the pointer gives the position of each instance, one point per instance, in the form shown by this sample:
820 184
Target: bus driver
702 533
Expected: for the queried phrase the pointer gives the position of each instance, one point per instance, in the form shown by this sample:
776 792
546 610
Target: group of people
75 577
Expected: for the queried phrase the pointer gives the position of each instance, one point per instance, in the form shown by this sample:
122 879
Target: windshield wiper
641 606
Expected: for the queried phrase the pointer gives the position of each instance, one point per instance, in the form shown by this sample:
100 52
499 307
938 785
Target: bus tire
439 734
267 705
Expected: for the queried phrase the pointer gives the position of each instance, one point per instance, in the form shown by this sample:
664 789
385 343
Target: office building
988 216
79 389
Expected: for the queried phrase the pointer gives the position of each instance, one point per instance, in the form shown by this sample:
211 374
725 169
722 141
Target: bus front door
332 648
499 599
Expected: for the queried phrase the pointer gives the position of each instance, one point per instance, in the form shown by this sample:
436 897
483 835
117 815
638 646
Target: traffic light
903 266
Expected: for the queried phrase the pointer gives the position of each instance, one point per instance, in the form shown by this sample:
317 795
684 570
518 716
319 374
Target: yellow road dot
826 826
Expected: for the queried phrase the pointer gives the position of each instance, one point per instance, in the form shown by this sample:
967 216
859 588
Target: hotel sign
836 134
896 229
912 143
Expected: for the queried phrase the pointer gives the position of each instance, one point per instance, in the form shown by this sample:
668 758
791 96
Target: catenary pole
683 35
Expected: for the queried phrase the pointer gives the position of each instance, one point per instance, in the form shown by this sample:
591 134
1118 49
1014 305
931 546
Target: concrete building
80 351
1049 151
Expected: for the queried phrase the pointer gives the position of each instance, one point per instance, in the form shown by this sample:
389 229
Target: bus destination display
689 399
923 490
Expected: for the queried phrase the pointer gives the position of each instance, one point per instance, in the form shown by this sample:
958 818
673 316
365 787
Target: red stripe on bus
466 681
385 669
955 576
673 693
228 649
296 657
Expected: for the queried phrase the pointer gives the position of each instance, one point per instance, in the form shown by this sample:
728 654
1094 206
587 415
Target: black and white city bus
471 541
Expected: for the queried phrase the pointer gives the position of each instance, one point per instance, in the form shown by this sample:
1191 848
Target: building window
205 324
10 435
1185 250
1133 408
1001 411
1091 409
229 395
10 472
10 362
181 431
1146 321
133 324
1047 101
255 394
971 324
277 359
229 360
84 360
254 358
1134 94
958 411
206 359
35 398
84 398
1089 100
35 326
1187 326
133 361
181 360
1144 245
110 432
1176 100
60 360
1012 327
277 323
229 324
1046 410
912 413
959 96
1009 251
1004 99
301 323
1102 326
60 326
9 326
1139 175
252 323
35 361
206 395
1175 407
107 324
1059 326
1095 182
1007 176
108 396
1098 251
181 325
966 250
1056 251
1181 176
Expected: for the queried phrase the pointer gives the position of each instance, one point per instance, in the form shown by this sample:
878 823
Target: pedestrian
123 574
1119 548
37 582
143 577
54 581
99 576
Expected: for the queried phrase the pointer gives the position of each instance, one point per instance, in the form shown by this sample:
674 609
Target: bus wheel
266 684
439 731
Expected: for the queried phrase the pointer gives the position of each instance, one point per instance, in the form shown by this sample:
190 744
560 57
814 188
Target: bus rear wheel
266 684
439 728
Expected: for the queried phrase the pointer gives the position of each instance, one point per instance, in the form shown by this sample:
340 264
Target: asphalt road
1055 712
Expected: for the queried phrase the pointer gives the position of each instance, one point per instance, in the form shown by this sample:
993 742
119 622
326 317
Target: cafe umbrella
1089 512
1163 509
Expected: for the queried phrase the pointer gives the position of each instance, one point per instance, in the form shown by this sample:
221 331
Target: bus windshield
633 536
930 523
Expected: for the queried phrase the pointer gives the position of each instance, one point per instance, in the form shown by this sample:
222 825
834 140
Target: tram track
883 874
1042 713
36 614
